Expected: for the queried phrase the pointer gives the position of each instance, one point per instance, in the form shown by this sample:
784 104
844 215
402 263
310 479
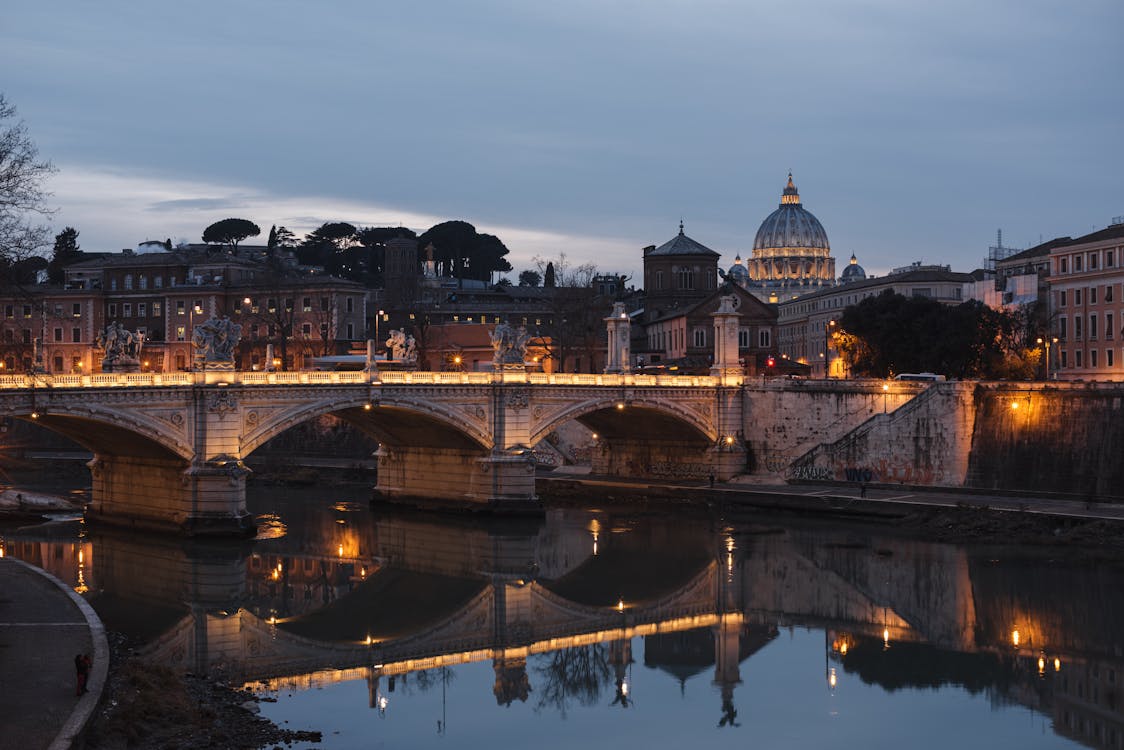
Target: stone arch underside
102 435
638 420
387 422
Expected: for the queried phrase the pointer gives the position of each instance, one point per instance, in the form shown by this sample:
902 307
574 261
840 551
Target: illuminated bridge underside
169 449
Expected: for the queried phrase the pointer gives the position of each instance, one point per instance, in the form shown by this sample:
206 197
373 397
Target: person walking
82 664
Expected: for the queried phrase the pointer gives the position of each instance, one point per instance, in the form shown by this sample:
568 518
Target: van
925 377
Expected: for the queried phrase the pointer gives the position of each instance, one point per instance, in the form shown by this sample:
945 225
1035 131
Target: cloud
113 209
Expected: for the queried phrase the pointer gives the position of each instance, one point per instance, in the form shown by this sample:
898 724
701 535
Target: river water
594 628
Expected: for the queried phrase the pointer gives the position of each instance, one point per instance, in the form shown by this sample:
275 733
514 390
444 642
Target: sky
914 130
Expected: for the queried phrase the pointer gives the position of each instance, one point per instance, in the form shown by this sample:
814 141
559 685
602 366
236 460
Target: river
602 628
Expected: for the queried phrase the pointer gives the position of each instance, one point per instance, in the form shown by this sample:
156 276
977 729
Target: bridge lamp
367 406
620 605
35 415
620 406
729 440
595 436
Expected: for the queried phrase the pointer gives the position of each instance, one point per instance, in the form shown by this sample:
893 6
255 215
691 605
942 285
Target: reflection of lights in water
831 678
1015 637
624 688
1057 665
620 605
339 550
270 527
843 648
885 638
81 587
1041 665
369 641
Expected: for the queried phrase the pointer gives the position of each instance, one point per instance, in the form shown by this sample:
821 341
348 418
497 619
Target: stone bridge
169 448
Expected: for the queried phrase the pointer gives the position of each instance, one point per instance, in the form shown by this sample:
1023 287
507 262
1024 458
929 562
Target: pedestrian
82 665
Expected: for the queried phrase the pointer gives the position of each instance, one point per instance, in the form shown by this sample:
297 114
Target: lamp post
196 309
377 319
828 329
1045 341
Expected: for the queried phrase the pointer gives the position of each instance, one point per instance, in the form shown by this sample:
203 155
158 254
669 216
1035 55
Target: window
1109 259
9 311
1092 295
27 311
142 282
113 284
1077 358
127 310
76 335
1077 267
1092 261
128 281
1061 298
26 336
58 363
1077 328
271 305
156 309
76 309
306 304
1108 357
323 304
58 334
1061 328
1108 293
1092 358
158 282
659 279
306 330
1108 325
1093 326
1077 297
699 336
350 329
743 338
112 310
685 279
288 304
181 334
350 305
764 339
922 292
142 310
58 311
181 307
1062 266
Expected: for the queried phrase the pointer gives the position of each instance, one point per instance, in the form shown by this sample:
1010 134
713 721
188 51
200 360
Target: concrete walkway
43 625
842 496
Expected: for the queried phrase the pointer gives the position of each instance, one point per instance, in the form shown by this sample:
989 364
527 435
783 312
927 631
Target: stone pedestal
618 359
168 495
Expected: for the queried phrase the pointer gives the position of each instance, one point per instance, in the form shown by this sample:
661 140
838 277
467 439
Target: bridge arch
640 417
107 430
390 420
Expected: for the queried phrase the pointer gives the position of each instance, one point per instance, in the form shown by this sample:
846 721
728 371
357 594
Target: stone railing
215 377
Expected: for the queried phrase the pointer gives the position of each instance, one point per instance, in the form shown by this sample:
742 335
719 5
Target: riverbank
151 706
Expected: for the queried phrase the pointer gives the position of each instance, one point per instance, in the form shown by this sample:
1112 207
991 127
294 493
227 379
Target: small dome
791 226
853 271
738 272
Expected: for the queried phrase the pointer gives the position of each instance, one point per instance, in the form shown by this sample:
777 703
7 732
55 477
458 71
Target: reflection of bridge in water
429 593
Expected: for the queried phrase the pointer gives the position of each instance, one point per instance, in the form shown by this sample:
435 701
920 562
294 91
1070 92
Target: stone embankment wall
785 419
1024 437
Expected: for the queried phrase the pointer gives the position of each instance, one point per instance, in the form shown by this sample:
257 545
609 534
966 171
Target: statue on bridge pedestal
121 348
510 345
403 348
214 343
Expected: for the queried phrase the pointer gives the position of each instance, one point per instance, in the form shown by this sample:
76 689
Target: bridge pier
167 495
500 479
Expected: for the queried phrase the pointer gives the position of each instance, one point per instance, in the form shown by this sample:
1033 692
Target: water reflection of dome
853 271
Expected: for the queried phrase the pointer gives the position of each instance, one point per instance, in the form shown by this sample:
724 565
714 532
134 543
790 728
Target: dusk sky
913 130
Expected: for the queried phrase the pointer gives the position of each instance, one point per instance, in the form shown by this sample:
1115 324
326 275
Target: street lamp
377 319
1045 341
828 329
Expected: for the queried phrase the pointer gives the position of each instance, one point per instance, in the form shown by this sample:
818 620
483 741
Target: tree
529 278
22 196
66 252
548 279
464 253
230 232
576 322
891 334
